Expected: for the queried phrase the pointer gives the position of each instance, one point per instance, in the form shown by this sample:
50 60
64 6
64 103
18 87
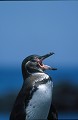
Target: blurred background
38 28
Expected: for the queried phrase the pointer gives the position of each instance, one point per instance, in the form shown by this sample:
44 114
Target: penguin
34 101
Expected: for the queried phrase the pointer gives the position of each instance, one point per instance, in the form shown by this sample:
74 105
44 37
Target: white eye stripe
28 63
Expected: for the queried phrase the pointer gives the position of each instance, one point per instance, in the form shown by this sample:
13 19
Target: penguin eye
33 60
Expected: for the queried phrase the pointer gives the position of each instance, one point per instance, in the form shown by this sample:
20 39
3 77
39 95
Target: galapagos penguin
34 101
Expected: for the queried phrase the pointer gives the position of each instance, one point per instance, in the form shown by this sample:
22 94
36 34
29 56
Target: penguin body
40 102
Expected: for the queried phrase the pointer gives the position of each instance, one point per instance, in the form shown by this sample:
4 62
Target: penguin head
33 63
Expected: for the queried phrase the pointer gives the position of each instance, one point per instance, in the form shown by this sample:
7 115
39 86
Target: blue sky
38 28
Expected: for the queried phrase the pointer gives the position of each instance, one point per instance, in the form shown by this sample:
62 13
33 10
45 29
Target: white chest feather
39 105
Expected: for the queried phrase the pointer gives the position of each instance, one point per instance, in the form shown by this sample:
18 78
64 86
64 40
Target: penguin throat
30 71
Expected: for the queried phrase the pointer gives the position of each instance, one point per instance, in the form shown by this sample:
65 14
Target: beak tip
54 68
51 53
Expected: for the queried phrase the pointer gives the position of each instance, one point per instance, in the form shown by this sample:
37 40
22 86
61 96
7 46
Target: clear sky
38 28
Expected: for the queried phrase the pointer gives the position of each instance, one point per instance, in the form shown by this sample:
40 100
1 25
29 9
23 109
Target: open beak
45 67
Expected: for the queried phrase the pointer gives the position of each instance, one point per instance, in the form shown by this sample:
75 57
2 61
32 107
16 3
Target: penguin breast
39 105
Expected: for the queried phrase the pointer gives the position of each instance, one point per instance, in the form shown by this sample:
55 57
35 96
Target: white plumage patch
42 87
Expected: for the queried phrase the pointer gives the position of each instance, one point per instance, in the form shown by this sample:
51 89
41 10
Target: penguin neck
26 74
36 77
39 75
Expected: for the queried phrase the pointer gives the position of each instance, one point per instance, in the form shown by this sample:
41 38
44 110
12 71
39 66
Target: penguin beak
45 67
46 56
